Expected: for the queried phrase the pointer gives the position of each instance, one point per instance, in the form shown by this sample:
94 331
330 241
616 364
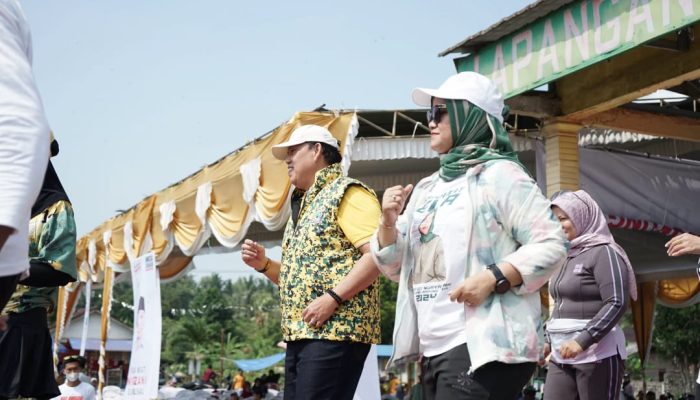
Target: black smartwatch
502 284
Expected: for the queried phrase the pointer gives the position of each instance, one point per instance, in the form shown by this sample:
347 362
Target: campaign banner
144 365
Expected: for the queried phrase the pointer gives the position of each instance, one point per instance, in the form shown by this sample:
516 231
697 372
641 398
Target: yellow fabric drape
226 214
227 210
274 182
105 314
117 253
643 317
172 266
186 225
678 291
60 312
159 238
142 220
81 257
65 303
227 217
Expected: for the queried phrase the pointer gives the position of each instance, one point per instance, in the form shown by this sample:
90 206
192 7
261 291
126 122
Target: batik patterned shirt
52 237
316 256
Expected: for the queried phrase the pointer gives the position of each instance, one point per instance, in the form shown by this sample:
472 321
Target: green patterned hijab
477 137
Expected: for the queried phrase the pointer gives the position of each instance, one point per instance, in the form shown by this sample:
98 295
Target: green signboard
575 36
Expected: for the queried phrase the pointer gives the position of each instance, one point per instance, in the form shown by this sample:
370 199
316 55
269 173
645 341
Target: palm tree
187 335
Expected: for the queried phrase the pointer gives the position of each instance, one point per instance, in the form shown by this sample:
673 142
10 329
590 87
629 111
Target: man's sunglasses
436 113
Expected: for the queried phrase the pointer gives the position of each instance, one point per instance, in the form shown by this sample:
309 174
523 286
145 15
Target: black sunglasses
436 113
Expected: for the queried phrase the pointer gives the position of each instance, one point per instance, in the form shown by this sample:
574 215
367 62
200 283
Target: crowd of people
651 395
243 388
229 387
470 246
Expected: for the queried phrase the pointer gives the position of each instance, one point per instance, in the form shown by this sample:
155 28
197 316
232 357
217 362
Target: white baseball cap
304 134
471 86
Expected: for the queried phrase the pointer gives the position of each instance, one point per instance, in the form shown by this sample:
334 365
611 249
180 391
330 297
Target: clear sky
141 94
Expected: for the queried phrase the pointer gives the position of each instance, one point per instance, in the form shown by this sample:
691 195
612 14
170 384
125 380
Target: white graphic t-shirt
84 391
439 223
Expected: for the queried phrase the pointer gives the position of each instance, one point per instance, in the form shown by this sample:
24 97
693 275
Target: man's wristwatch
502 284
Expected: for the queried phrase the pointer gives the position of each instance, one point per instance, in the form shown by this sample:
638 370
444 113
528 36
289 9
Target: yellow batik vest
316 256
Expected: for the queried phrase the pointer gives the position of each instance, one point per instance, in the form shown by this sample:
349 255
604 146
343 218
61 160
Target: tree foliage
676 337
195 314
387 297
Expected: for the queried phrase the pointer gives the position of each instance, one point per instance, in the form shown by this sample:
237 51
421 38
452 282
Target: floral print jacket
511 221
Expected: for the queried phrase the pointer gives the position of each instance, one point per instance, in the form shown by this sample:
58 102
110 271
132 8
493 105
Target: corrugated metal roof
594 137
506 26
123 346
639 143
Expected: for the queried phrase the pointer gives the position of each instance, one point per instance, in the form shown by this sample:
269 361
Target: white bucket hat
471 86
304 134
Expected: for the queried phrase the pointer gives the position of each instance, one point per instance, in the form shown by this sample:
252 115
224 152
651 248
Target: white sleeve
525 213
24 131
389 258
91 395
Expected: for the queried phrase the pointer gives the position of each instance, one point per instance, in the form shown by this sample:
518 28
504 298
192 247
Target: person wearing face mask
492 240
73 388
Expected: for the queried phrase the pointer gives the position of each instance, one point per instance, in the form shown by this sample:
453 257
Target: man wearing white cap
329 296
488 239
24 145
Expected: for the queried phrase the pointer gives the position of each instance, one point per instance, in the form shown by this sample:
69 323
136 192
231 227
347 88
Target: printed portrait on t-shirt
430 265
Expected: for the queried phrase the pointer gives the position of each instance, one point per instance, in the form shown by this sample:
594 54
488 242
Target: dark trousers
599 380
26 359
323 369
445 377
7 287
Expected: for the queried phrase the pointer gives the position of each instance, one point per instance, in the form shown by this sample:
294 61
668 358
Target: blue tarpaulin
384 350
259 363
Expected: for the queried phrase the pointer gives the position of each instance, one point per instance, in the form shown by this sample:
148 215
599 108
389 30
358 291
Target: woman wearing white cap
474 314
